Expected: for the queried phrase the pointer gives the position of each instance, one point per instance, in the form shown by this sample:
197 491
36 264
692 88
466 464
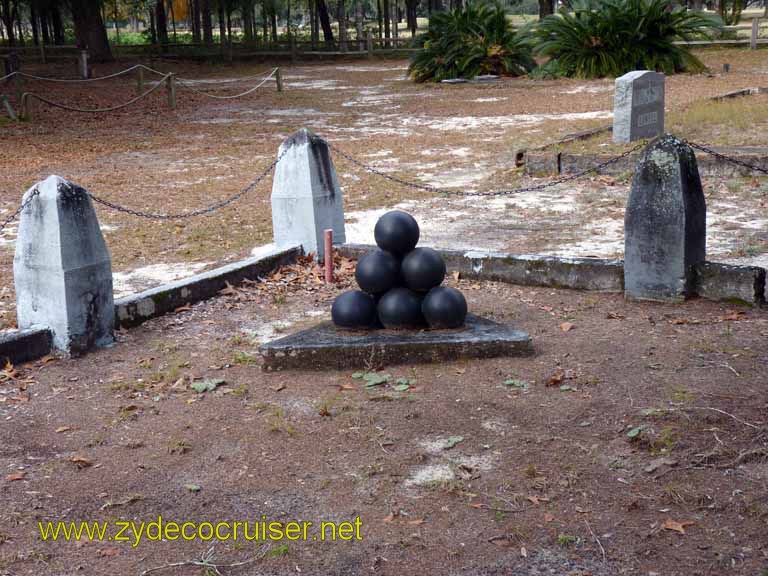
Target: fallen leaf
108 552
388 518
192 487
207 385
185 308
277 388
635 432
556 377
81 461
347 387
676 526
451 441
16 476
567 326
733 316
615 316
417 522
523 552
548 517
535 500
61 429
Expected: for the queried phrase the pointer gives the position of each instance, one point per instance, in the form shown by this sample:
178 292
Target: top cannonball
422 269
377 272
397 232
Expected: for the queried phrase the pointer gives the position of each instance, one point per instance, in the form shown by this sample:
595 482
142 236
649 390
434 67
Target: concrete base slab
326 347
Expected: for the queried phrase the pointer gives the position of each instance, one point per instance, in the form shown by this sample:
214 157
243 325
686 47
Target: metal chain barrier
18 211
28 95
185 84
506 192
201 211
725 157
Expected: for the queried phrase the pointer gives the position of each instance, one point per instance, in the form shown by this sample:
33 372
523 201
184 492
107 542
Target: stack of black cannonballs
400 284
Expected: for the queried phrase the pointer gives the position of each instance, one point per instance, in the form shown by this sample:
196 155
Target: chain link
4 224
725 157
192 214
503 192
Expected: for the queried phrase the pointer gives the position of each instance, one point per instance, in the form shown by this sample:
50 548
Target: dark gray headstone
638 106
665 223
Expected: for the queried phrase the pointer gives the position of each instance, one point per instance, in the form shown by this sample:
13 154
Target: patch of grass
243 358
278 551
566 540
681 395
179 447
279 423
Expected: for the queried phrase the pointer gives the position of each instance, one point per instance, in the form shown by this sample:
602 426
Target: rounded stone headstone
377 272
400 308
444 307
396 232
422 269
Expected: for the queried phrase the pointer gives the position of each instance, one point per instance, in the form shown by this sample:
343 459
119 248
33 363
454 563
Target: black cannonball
422 269
353 309
396 232
444 307
400 308
377 272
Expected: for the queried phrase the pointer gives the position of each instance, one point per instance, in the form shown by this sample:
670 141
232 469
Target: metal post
294 51
369 44
8 107
82 65
170 84
328 234
18 81
25 108
139 80
755 33
279 80
42 51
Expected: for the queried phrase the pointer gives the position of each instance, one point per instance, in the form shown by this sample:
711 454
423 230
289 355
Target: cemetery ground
154 159
633 442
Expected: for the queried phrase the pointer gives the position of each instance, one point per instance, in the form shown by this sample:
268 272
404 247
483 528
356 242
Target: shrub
467 42
611 37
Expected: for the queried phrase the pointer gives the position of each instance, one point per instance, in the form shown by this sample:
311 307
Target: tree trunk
162 22
314 25
58 25
395 9
385 17
6 15
273 23
46 36
207 22
325 22
359 17
33 23
264 22
546 7
222 24
152 29
196 27
89 29
413 23
342 18
248 21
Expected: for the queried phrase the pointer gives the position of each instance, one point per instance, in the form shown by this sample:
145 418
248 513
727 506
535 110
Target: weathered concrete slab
736 284
326 347
17 346
665 223
137 308
599 274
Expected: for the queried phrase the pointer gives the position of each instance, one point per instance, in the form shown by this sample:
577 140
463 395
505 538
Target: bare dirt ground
633 442
462 136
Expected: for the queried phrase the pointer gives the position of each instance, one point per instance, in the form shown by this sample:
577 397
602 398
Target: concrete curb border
137 308
26 345
714 281
555 163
